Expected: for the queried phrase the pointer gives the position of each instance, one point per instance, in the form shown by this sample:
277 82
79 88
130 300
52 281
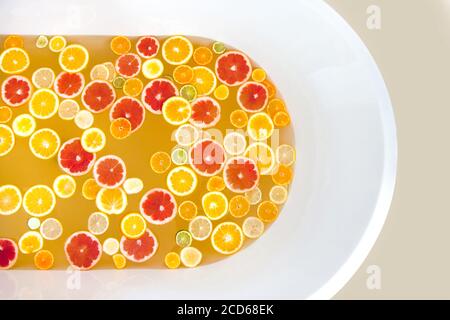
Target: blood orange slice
16 90
147 47
156 92
252 96
69 85
83 250
130 109
140 249
207 157
205 112
233 68
73 159
128 65
158 206
240 174
98 96
8 253
110 171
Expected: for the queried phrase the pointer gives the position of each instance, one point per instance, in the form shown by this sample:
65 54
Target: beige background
412 50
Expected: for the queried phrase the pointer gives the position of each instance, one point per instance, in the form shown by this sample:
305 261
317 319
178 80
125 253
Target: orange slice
281 119
182 181
227 238
160 162
30 242
51 229
44 143
57 43
98 223
177 50
13 41
215 183
39 201
267 211
120 128
120 45
215 205
7 140
202 56
133 87
239 118
239 206
221 92
260 127
5 114
204 80
90 189
64 186
14 61
183 74
172 260
190 257
93 140
133 225
187 210
111 201
283 175
10 200
258 75
44 104
119 260
74 58
274 106
44 260
176 110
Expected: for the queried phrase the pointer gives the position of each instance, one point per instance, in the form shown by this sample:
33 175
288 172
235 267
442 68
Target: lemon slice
51 229
98 223
191 257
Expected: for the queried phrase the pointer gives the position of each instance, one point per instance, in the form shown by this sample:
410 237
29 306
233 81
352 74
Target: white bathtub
345 135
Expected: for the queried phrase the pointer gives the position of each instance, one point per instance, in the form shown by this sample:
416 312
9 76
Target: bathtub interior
345 140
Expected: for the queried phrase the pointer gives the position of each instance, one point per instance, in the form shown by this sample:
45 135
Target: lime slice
183 239
118 82
219 47
188 92
179 156
41 42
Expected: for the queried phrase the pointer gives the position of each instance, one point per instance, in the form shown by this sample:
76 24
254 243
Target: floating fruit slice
186 135
202 56
283 175
147 47
44 104
258 75
183 238
253 227
200 228
14 61
267 211
152 68
8 253
119 260
260 127
84 119
133 185
140 249
177 50
172 260
263 155
83 250
207 157
160 162
43 78
281 119
44 143
158 206
90 189
39 201
204 80
285 155
239 206
13 41
110 171
215 205
130 109
227 238
42 42
254 196
34 223
187 210
182 181
57 43
51 229
98 96
64 186
278 194
10 200
188 92
133 87
120 128
5 114
120 45
219 47
118 82
111 246
133 225
44 260
73 159
69 85
221 92
111 71
179 156
7 140
233 68
252 96
128 65
98 223
111 201
30 242
183 74
99 72
191 257
205 112
16 90
215 183
156 92
73 58
93 140
241 174
275 106
239 118
176 110
234 143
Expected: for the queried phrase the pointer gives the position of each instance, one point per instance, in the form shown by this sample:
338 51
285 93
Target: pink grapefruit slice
98 96
8 253
110 171
156 92
130 109
140 249
252 96
16 90
69 85
205 112
233 68
147 47
73 159
83 250
158 206
207 157
241 174
128 65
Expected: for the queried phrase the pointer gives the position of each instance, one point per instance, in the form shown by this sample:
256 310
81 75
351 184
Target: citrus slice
254 196
172 260
119 260
8 253
133 225
73 58
140 249
44 104
179 156
241 174
156 92
130 109
111 71
187 210
270 88
227 238
133 185
275 106
133 87
221 92
183 238
207 157
215 183
120 128
205 112
30 242
64 186
90 189
160 162
204 80
44 143
285 155
215 205
42 42
93 140
176 110
234 143
188 92
186 135
111 246
219 47
73 159
177 50
24 125
182 181
158 206
98 223
281 119
84 119
190 257
5 114
43 78
83 250
13 41
39 201
239 118
33 223
110 171
99 72
278 194
263 155
51 229
57 43
98 96
202 56
252 96
128 65
239 206
267 211
233 68
16 90
147 47
253 227
258 75
69 85
14 61
283 175
200 228
44 260
10 200
111 201
152 68
120 45
260 127
183 74
7 140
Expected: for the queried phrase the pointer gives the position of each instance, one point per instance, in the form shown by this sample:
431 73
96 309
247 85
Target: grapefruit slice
98 96
69 85
240 174
130 109
16 90
252 96
156 92
8 253
83 250
233 68
140 249
110 171
147 47
158 206
128 65
73 159
207 157
205 112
